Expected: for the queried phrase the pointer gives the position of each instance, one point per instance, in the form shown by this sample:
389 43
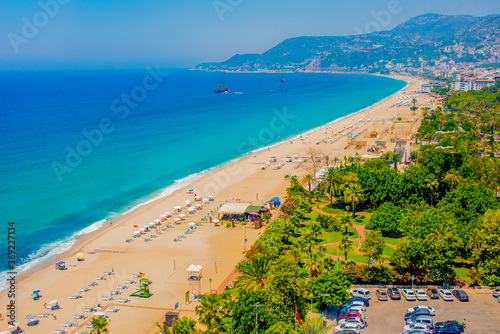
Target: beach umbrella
215 220
137 232
34 294
52 302
177 207
163 216
98 314
198 205
168 213
5 332
191 208
157 220
151 224
192 224
146 227
79 255
30 316
187 201
182 215
177 219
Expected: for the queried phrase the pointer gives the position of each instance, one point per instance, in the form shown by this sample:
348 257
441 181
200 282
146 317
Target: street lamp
338 246
256 318
325 295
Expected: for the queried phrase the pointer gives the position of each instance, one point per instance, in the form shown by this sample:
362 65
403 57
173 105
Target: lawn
392 241
331 237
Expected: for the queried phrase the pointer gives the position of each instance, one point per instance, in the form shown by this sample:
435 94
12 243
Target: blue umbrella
34 294
36 291
30 316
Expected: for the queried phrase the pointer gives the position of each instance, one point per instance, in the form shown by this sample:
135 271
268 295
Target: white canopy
177 219
177 207
194 268
191 208
151 224
182 215
137 232
198 205
187 201
163 215
234 208
157 220
192 223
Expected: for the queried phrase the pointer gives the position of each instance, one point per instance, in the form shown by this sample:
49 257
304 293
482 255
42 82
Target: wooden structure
373 134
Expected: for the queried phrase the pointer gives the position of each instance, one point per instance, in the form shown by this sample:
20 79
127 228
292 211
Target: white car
420 307
408 294
360 292
445 295
354 302
350 326
496 292
421 295
357 321
417 327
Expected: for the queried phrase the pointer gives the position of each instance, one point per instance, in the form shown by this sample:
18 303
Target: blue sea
80 147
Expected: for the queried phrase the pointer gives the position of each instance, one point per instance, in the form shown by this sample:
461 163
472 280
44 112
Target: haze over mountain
422 38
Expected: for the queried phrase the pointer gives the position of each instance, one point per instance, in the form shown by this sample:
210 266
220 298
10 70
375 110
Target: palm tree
314 264
314 326
100 325
184 325
394 158
210 312
254 272
431 184
266 216
294 181
331 182
309 239
452 178
308 178
345 246
353 194
294 254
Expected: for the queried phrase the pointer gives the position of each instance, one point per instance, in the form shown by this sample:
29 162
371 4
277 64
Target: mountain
423 37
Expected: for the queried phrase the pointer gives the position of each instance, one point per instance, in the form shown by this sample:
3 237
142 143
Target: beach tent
234 208
276 201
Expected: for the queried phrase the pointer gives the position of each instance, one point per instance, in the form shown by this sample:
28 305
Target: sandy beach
217 249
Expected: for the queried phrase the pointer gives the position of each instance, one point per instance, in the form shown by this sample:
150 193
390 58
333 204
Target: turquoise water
76 150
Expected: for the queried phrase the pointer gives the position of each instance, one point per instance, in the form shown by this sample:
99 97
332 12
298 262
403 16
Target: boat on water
221 88
282 79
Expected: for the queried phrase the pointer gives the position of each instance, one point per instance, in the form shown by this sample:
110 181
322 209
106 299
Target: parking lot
482 313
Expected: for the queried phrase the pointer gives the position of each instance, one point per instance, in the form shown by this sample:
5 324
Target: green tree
314 326
387 218
254 272
212 310
432 185
353 194
345 246
487 254
315 262
333 283
184 325
163 328
393 158
331 182
100 325
373 246
308 178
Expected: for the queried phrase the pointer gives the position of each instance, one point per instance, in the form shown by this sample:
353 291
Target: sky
52 34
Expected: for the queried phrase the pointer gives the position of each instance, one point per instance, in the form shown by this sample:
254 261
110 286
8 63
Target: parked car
445 295
496 293
418 313
421 307
408 294
360 292
358 321
357 308
381 295
427 320
354 302
420 295
450 326
432 293
417 327
359 299
394 293
349 331
350 326
461 295
352 314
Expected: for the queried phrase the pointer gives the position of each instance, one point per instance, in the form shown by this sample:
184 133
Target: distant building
477 84
466 85
427 87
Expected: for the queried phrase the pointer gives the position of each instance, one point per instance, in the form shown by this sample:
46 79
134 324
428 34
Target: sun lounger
75 296
82 332
43 315
107 273
100 278
89 309
123 300
135 275
129 240
107 298
79 316
89 325
84 290
121 287
68 324
113 309
130 281
59 331
147 240
115 292
33 322
92 284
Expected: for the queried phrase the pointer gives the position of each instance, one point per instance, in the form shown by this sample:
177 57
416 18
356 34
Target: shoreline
241 177
177 185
